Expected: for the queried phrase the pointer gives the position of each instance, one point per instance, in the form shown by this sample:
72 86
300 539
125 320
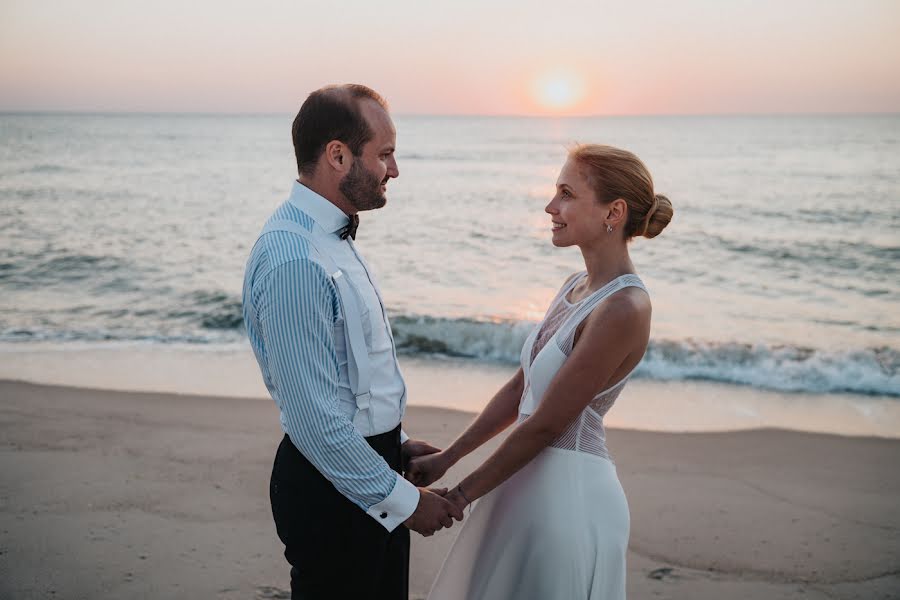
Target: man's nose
393 170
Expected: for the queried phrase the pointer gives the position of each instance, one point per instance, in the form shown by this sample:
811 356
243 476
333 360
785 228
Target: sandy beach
109 494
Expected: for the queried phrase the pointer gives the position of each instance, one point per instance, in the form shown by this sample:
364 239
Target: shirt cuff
399 505
403 437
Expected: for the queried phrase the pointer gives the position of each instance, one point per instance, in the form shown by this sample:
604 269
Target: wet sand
109 494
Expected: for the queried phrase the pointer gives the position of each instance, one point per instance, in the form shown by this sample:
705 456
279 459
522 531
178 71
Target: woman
551 519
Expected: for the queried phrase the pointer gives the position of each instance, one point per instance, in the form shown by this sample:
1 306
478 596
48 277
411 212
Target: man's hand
433 513
413 448
425 470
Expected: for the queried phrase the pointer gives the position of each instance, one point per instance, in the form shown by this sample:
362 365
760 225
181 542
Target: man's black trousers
334 548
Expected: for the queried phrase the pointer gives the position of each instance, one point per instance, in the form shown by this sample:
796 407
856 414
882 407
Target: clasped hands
423 464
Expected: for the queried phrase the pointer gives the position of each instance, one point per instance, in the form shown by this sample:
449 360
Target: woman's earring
609 228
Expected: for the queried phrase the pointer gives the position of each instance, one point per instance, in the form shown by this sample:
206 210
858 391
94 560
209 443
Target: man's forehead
377 117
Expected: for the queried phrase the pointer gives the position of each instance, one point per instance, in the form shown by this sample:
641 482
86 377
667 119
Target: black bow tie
350 229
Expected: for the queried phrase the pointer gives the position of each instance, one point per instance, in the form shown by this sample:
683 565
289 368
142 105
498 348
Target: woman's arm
500 412
614 332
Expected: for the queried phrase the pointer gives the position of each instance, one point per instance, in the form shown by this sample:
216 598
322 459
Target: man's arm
296 316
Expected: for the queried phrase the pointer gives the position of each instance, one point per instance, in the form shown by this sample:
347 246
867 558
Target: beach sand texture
109 494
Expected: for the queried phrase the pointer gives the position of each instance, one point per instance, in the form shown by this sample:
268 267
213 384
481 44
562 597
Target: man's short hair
331 113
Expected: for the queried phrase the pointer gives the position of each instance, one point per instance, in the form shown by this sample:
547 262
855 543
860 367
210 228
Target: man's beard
362 188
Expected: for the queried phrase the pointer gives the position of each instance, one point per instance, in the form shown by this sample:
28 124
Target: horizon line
212 113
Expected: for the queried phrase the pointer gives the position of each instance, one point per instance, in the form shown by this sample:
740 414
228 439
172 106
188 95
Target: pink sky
460 57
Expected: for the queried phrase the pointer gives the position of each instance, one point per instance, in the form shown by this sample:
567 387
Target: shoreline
109 494
457 412
467 385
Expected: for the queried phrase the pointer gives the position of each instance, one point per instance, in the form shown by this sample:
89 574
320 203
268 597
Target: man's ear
337 154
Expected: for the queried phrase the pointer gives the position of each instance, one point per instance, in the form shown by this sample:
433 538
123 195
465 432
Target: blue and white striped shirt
294 320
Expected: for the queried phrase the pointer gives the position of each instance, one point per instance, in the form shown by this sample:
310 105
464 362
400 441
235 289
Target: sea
780 270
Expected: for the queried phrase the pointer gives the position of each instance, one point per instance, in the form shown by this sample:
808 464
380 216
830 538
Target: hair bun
658 216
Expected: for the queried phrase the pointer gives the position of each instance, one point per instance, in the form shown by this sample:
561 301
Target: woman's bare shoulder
627 310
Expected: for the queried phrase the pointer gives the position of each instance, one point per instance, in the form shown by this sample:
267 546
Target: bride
550 519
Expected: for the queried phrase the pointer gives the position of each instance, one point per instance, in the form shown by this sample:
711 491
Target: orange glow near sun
558 90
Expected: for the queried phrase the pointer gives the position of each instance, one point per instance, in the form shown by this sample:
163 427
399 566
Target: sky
552 57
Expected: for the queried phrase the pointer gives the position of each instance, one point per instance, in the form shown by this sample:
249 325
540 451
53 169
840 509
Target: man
320 333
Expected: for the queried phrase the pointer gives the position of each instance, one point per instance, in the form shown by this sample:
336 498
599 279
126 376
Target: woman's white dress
558 528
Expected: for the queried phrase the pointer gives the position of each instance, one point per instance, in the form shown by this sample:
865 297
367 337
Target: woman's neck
604 264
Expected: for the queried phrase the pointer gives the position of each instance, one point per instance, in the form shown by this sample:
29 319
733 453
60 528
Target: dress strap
567 286
565 336
527 354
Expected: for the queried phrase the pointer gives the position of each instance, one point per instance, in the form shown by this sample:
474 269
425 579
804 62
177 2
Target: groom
319 330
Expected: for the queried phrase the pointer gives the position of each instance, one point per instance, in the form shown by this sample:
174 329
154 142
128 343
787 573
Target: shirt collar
328 216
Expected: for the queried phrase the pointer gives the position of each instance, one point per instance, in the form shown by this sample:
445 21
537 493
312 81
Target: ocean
779 270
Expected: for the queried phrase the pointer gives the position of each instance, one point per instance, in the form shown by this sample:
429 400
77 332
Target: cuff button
383 515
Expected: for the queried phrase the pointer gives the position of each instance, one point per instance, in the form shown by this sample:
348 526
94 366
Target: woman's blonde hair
615 173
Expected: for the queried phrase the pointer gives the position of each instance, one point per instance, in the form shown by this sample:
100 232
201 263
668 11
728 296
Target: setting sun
558 90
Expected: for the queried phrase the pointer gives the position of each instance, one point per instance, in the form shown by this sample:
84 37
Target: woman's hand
413 448
424 470
457 498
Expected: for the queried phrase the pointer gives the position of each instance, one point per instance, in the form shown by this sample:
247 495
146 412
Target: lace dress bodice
547 348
